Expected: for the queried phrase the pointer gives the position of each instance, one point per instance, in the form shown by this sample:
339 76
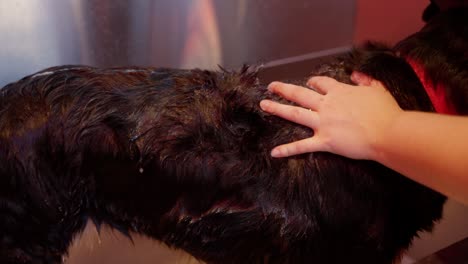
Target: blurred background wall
288 37
177 33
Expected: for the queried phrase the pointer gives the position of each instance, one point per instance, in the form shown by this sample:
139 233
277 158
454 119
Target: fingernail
264 104
311 81
275 153
357 77
271 86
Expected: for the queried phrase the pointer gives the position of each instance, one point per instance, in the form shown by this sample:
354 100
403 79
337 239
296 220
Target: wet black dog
182 156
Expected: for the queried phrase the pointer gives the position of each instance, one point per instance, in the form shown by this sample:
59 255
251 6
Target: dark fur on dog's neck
182 156
441 48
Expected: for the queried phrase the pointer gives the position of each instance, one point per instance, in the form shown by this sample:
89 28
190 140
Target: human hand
347 120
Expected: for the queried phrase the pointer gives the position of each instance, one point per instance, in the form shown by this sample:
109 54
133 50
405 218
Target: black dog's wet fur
182 156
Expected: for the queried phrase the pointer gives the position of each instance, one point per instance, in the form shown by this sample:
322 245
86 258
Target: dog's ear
431 10
437 6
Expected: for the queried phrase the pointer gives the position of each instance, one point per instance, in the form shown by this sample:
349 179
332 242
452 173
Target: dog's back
183 156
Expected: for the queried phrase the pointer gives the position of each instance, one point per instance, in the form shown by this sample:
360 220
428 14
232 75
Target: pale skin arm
365 122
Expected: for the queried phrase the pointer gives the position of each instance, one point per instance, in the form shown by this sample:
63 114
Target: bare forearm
430 149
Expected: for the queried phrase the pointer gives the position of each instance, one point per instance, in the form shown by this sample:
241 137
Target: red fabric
436 94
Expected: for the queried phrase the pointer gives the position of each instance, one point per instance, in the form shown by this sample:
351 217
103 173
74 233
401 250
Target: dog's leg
35 233
40 211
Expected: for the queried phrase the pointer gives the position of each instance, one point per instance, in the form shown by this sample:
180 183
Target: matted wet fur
182 156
